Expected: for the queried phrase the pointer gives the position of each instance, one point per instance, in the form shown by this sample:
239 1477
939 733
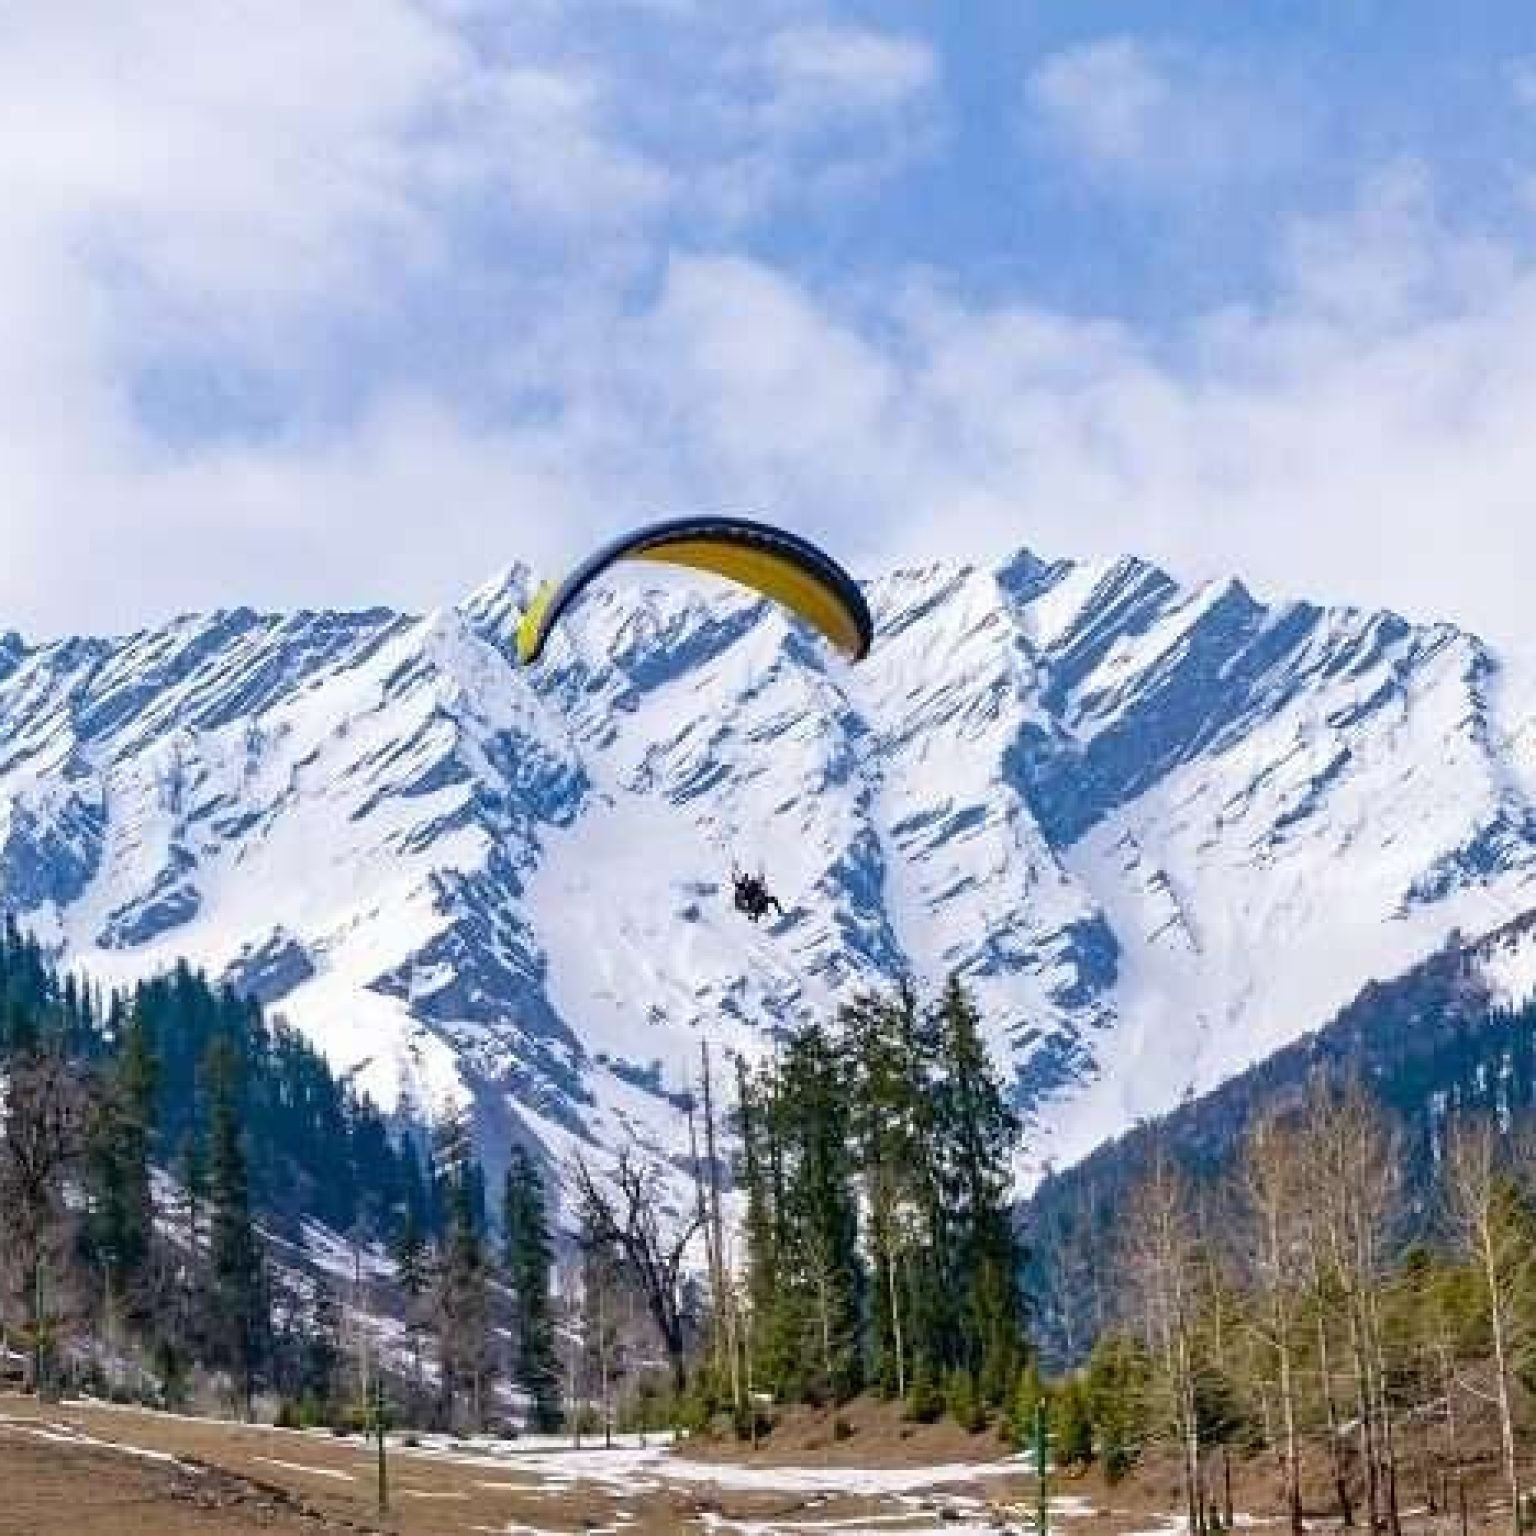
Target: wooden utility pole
380 1425
1042 1484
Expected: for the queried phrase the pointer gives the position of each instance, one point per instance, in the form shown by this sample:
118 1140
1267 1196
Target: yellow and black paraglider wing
771 561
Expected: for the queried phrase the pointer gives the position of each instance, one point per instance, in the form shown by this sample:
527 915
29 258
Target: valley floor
91 1470
80 1469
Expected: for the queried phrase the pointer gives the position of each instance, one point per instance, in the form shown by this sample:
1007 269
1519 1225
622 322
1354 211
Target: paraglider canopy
778 564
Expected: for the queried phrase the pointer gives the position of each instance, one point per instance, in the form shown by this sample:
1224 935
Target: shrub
925 1402
964 1402
1072 1426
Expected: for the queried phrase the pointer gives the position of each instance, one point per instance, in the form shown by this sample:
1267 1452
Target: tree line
1430 1043
1370 1336
875 1248
1346 1295
163 1152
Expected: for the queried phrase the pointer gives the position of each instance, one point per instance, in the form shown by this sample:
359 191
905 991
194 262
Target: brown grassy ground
875 1434
48 1488
86 1470
232 1479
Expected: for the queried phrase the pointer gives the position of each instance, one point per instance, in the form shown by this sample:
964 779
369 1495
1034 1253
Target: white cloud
264 210
231 159
1174 121
226 195
807 114
1103 99
1377 455
821 70
1322 446
1392 260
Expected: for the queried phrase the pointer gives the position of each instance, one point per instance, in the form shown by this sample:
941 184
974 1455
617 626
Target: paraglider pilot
753 897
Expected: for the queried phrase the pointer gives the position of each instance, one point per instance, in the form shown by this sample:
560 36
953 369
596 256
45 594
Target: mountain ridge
1162 829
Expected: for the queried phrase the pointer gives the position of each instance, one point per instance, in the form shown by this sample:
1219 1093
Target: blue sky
358 303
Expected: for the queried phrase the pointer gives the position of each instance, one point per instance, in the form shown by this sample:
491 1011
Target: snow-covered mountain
1162 829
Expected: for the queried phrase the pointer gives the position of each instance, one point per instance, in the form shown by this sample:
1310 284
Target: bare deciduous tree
1275 1197
1163 1262
1494 1225
44 1123
1352 1164
626 1212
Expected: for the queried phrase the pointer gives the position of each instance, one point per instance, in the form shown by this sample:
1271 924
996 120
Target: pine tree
887 1090
322 1350
1072 1425
925 1397
235 1259
192 1166
978 1133
529 1261
121 1225
760 1223
964 1402
777 1302
929 1254
414 1201
412 1256
1029 1394
822 1215
1117 1382
22 1034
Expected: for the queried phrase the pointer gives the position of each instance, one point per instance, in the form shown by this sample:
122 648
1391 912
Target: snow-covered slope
1162 829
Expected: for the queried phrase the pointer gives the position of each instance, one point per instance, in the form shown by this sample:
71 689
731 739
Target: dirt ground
874 1434
52 1487
91 1470
76 1470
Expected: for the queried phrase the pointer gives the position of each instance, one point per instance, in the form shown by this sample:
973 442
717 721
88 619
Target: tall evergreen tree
412 1255
762 1220
322 1347
414 1202
121 1225
529 1258
235 1259
979 1133
822 1214
899 1121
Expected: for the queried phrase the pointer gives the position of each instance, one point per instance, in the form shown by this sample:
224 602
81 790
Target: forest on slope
166 1156
173 1167
1427 1045
1327 1270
